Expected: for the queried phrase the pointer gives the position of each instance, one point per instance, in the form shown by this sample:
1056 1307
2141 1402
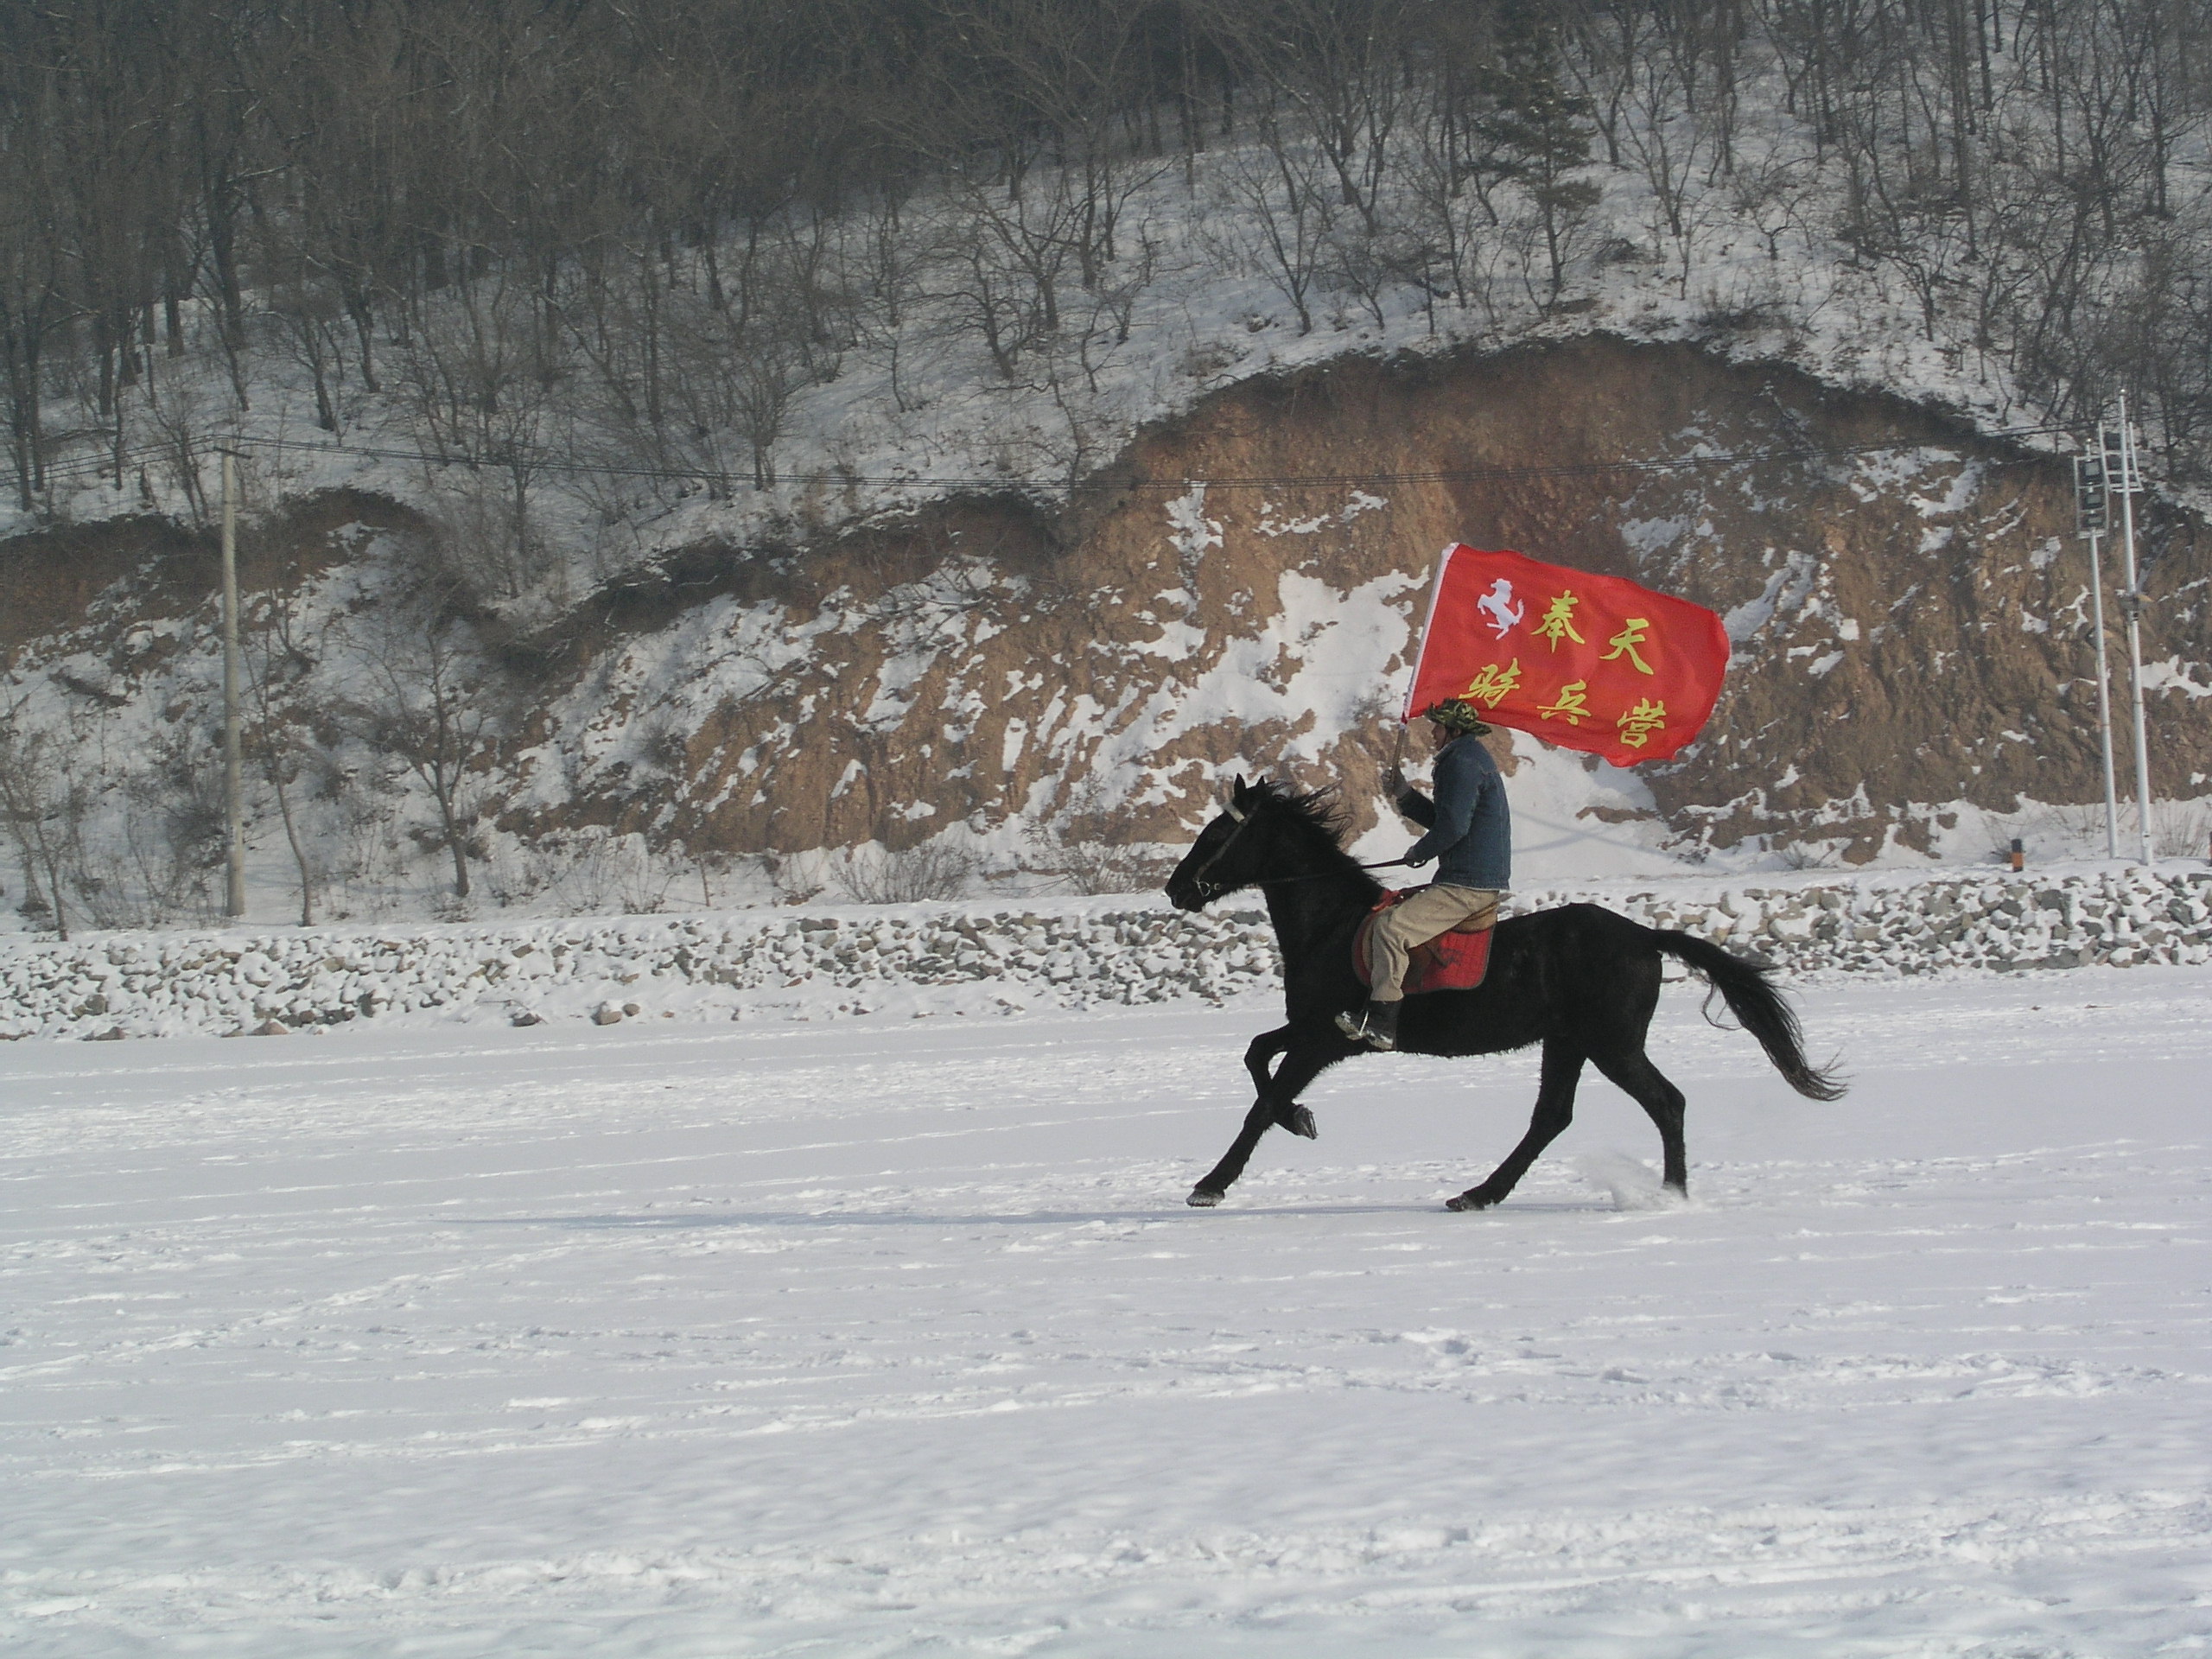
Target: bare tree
280 738
1337 74
1281 217
422 701
1668 145
33 305
44 802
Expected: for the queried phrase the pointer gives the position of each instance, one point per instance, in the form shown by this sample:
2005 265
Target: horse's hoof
1201 1198
1467 1201
1300 1121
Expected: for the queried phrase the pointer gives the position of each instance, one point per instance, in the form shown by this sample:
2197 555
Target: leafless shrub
374 861
872 876
1806 855
795 878
667 746
591 875
177 413
142 882
488 536
1086 865
2079 831
2181 829
1080 852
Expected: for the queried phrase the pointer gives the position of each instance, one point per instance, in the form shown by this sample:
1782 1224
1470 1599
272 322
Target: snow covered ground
897 1338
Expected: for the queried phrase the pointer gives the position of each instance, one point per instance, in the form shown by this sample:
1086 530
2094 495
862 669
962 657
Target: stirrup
1376 1024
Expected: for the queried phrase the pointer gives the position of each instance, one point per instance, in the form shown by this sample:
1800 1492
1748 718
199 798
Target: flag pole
1421 646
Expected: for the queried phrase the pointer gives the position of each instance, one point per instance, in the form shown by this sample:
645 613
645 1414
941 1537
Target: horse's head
1223 859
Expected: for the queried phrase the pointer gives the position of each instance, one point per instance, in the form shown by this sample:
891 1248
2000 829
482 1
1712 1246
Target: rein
1213 889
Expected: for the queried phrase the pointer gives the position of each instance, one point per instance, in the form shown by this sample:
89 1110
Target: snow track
765 1340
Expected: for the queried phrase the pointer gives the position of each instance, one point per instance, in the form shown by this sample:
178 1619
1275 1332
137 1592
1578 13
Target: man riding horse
1470 839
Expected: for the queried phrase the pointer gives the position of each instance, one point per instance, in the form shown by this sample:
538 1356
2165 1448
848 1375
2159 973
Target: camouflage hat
1457 716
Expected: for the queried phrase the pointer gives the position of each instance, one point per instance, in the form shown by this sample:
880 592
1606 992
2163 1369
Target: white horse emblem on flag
1504 615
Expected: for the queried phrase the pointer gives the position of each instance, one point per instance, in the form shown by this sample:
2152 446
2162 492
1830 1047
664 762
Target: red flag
1592 662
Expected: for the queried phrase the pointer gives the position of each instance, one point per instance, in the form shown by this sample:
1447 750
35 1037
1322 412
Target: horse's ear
1240 791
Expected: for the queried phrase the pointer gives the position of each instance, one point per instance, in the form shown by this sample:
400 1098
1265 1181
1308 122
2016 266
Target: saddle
1456 961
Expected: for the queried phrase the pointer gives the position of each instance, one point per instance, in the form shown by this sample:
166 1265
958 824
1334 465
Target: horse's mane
1322 808
1320 813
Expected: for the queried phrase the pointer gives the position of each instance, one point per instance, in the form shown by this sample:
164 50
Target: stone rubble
1084 954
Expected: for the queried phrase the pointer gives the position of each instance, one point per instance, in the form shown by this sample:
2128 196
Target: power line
541 462
547 462
102 463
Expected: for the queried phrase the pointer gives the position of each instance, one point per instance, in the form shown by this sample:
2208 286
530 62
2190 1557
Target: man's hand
1403 794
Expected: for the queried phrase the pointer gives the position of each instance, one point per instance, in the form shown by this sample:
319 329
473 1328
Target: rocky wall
954 960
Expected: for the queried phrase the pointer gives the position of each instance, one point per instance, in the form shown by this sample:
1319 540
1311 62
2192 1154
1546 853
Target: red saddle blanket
1450 962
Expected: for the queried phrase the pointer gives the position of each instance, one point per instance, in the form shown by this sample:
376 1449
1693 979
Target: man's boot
1375 1025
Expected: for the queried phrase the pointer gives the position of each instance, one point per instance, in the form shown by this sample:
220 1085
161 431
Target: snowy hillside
965 701
970 522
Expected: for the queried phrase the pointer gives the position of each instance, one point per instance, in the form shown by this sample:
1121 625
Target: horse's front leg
1278 1104
1264 1048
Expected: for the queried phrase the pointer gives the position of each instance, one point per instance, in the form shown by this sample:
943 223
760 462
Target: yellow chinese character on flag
1559 619
1637 725
1628 639
1572 704
1490 687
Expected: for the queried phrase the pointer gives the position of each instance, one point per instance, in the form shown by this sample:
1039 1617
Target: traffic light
2092 503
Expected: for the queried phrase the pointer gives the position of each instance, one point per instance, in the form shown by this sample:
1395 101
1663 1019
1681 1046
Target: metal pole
234 767
2132 600
2104 697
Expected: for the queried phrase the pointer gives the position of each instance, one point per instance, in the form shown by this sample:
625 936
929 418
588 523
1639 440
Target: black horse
1579 979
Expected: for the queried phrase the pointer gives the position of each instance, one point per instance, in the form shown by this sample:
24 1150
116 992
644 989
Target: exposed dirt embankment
1910 618
1908 605
144 568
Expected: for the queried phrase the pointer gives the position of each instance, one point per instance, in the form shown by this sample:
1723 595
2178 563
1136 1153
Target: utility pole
2093 518
2124 480
234 767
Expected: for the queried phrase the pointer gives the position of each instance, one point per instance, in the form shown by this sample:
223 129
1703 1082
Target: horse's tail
1758 1005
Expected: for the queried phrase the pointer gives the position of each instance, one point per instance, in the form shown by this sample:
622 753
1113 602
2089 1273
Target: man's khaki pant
1416 919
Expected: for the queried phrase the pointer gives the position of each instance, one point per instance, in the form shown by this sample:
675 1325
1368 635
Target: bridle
1209 891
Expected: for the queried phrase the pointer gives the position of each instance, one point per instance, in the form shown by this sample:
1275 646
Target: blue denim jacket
1469 826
